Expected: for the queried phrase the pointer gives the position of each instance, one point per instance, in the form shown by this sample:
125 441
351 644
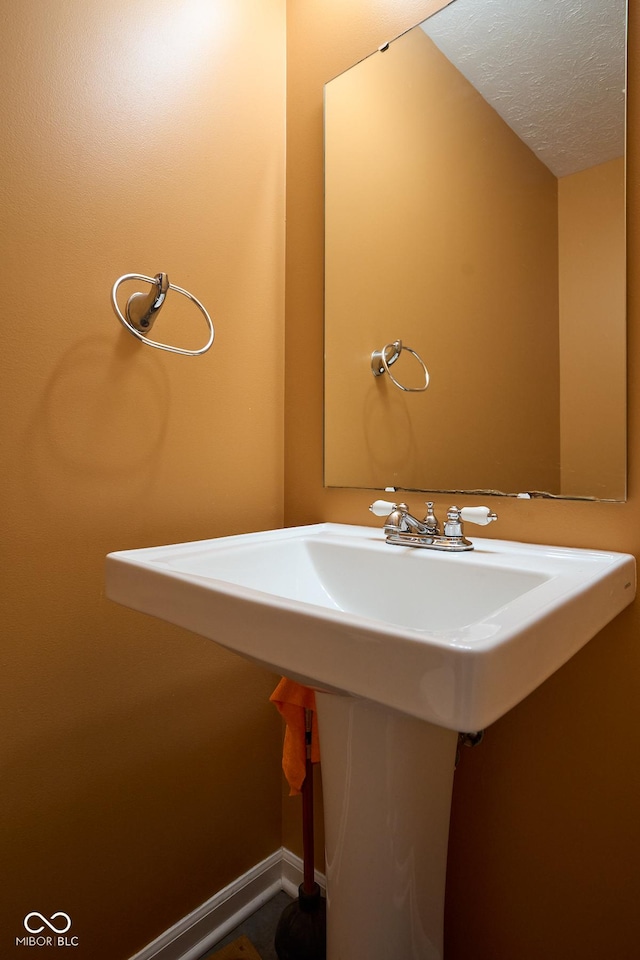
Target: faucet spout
399 520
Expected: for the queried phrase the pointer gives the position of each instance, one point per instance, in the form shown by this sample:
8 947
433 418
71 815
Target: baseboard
199 931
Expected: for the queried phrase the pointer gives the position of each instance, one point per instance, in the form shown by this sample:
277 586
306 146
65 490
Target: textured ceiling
553 69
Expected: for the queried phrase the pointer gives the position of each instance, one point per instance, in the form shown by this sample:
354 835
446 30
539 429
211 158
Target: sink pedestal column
387 780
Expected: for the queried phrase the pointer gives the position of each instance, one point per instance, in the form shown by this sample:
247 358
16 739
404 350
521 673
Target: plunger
302 929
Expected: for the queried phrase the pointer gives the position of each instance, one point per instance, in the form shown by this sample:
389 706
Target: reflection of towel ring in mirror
141 311
381 360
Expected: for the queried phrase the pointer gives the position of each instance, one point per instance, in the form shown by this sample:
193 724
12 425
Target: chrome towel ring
142 309
381 360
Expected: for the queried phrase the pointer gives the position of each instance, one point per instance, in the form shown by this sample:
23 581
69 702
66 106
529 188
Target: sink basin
453 639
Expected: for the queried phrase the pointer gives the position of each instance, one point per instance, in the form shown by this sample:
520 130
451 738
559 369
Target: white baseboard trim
200 930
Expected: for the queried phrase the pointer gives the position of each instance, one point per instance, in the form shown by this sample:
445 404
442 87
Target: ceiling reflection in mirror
475 211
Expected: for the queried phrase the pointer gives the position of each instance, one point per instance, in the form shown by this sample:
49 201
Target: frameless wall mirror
475 211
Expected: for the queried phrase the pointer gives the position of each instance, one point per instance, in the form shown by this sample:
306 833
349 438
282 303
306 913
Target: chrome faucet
403 529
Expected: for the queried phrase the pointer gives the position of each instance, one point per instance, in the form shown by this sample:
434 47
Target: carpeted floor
259 929
240 949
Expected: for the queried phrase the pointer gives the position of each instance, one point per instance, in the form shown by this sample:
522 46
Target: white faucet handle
382 508
479 515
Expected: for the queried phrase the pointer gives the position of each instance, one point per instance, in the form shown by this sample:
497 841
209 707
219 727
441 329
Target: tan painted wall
136 779
593 393
453 249
139 764
545 841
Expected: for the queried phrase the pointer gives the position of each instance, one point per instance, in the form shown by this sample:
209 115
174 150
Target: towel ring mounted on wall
381 360
142 309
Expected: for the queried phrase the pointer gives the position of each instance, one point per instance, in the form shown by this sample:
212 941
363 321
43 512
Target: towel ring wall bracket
141 311
141 308
382 360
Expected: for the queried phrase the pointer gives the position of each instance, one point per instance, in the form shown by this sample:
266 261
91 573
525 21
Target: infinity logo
66 922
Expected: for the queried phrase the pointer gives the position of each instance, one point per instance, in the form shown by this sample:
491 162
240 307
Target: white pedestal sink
405 648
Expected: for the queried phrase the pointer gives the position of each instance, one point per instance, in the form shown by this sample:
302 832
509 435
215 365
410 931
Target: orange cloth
292 699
